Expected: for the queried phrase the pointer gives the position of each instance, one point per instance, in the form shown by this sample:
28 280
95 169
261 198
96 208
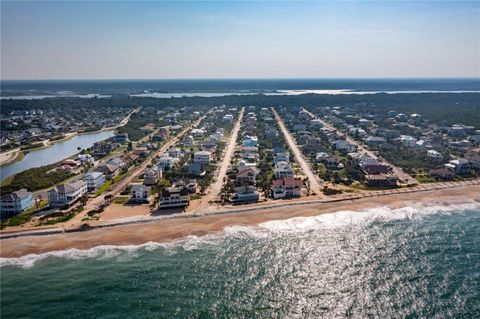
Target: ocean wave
111 251
262 230
413 211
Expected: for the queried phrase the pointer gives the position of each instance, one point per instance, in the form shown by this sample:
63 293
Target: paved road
408 180
216 187
132 175
312 177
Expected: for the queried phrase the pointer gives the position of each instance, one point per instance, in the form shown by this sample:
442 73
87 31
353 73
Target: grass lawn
60 219
425 179
23 217
119 177
43 203
121 200
103 188
109 183
16 220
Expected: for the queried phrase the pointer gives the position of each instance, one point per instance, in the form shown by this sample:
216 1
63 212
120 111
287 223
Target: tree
164 183
84 200
108 198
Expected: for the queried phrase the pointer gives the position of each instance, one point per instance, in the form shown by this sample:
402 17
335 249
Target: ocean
412 262
220 87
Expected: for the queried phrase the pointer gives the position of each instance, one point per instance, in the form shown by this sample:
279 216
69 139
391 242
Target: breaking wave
262 230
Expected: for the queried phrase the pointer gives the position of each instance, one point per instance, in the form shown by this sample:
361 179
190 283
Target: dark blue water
413 262
233 85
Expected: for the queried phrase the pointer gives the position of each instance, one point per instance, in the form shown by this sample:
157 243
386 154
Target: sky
239 39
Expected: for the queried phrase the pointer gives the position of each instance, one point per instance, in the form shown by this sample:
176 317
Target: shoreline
164 230
6 161
19 155
12 158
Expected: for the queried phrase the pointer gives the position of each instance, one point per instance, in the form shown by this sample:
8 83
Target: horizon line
250 78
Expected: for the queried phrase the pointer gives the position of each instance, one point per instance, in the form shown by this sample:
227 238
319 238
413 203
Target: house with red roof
287 187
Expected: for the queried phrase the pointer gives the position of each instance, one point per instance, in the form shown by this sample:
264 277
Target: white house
343 145
228 118
281 157
94 180
197 132
245 194
282 170
434 154
139 193
175 152
321 156
188 141
15 202
247 174
174 197
85 159
408 141
152 176
357 131
66 194
165 162
459 165
202 157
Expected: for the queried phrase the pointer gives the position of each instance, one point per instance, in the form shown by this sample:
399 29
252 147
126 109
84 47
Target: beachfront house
442 173
286 188
381 180
244 195
139 193
94 180
174 197
66 194
15 203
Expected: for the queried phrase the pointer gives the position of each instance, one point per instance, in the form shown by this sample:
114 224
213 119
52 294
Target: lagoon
55 153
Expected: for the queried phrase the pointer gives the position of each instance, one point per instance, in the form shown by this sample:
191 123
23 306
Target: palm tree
37 202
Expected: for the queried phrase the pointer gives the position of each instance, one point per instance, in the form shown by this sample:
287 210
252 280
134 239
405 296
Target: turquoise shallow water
414 262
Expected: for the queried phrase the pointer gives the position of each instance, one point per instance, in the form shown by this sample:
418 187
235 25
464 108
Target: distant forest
441 108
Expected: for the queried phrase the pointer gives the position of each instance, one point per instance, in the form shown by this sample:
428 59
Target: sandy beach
165 230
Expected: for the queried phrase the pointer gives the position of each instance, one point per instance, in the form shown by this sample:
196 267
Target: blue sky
228 39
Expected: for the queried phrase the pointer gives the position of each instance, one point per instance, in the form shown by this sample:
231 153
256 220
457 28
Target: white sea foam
263 230
364 217
111 251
